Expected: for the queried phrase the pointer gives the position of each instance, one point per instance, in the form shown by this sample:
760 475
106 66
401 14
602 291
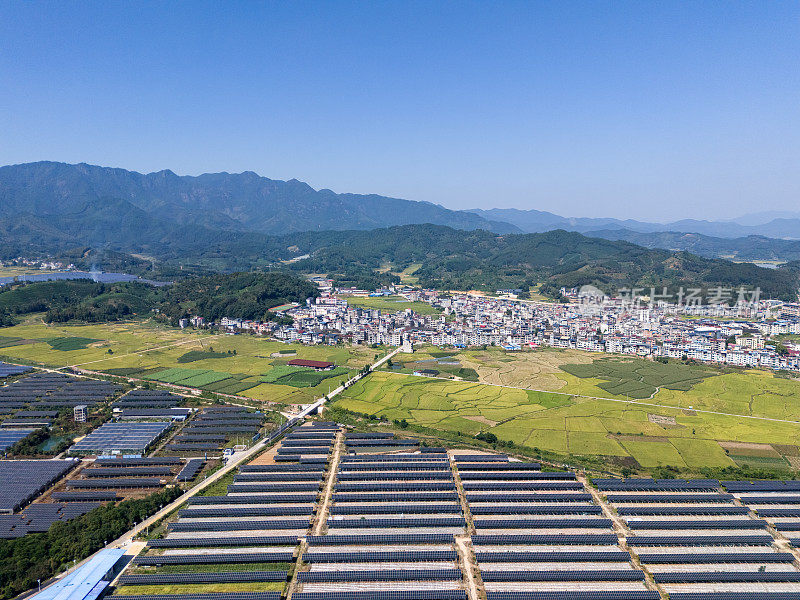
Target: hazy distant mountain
78 195
774 225
751 248
763 217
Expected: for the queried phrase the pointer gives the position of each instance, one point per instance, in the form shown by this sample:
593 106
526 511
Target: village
758 333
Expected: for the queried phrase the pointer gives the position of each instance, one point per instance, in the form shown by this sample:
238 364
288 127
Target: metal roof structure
82 583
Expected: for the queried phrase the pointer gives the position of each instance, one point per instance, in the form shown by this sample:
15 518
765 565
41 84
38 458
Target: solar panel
117 482
295 476
392 497
190 578
591 539
480 458
771 499
671 498
700 540
260 499
272 487
513 466
198 559
779 512
521 485
555 557
397 475
384 595
376 575
126 471
528 497
240 525
247 511
190 469
218 542
137 462
402 522
592 575
92 495
762 486
121 436
380 538
381 557
574 595
379 509
530 509
394 486
681 510
544 523
21 480
732 577
699 524
715 557
9 437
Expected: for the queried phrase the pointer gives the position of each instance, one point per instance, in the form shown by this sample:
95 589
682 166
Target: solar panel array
47 390
105 478
190 470
212 429
383 442
540 533
137 399
27 404
9 437
777 502
22 480
38 517
231 537
133 437
390 527
8 370
697 542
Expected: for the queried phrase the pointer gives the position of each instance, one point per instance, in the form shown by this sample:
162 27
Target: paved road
234 461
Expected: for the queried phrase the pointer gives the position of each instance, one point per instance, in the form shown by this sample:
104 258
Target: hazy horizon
626 110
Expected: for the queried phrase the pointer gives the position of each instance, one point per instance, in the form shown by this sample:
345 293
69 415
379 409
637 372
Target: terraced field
607 424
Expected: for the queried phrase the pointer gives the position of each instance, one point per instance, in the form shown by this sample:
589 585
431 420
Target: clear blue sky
655 110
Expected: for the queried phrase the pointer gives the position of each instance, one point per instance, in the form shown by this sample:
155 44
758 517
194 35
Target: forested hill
452 259
235 295
92 204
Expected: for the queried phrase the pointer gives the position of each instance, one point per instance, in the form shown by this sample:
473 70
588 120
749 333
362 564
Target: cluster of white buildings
732 335
42 265
717 334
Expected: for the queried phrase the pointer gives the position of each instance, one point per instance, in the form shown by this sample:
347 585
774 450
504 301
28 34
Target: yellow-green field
579 417
392 304
14 271
150 351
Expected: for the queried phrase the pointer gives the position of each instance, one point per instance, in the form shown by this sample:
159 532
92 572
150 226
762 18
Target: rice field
569 424
228 364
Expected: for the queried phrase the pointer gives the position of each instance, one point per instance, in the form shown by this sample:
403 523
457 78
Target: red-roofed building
317 365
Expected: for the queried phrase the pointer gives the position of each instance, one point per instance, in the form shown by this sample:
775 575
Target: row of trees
40 556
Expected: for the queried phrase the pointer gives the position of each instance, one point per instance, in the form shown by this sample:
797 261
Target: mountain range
161 223
767 224
67 195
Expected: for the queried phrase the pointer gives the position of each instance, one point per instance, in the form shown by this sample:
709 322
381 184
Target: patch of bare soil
750 449
663 420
